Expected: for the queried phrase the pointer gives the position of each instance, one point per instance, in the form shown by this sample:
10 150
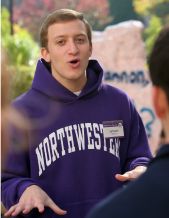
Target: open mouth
74 62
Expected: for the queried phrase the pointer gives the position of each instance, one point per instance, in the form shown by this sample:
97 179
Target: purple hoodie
71 153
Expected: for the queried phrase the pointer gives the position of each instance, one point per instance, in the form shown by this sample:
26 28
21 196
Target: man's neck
75 85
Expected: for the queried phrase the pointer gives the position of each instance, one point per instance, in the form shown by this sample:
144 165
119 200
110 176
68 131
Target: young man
149 195
86 137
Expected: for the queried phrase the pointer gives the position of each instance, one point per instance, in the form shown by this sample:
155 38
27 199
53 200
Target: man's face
68 51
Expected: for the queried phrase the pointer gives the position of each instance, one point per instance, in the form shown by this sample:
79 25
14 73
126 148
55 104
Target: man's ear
45 54
160 102
91 49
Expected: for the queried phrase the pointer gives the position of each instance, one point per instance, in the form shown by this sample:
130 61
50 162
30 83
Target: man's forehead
61 24
60 29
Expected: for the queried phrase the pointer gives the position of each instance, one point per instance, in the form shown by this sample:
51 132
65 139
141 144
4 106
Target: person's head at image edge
159 73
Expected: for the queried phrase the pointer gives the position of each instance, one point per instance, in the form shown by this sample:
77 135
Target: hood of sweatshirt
45 83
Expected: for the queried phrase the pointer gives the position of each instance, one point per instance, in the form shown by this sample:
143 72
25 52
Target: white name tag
113 129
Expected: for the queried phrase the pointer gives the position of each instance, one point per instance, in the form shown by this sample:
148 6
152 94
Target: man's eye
60 42
80 40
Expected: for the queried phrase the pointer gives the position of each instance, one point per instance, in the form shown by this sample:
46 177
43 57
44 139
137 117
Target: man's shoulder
24 97
112 90
26 100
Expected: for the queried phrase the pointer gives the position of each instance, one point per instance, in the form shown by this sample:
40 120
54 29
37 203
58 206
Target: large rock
120 50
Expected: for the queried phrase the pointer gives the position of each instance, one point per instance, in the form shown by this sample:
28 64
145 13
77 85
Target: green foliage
22 54
21 79
161 10
151 32
22 46
156 15
5 26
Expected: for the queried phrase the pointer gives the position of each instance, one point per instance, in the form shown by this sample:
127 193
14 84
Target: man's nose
73 47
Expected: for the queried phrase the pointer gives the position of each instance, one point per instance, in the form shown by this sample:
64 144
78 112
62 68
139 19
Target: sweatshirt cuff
23 185
144 161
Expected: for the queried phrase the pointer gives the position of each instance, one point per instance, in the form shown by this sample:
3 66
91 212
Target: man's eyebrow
81 34
59 36
64 36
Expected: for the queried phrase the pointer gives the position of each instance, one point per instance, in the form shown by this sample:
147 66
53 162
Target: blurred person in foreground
148 196
9 116
87 138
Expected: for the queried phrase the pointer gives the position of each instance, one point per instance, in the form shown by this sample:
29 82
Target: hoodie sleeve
15 168
138 152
